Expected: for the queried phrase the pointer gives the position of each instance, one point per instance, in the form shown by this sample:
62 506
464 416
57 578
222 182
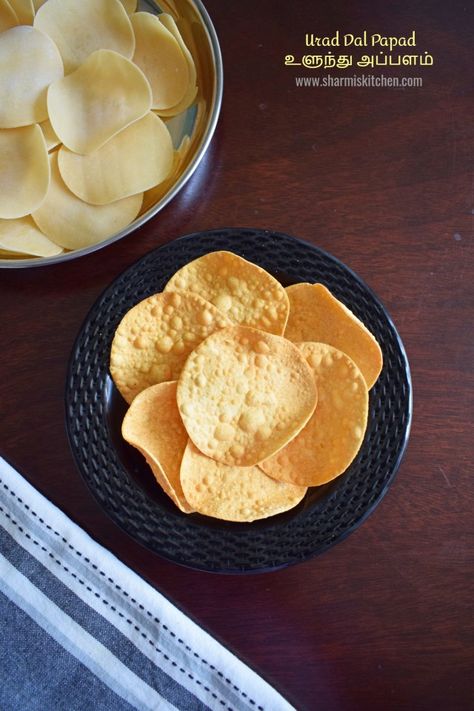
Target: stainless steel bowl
198 122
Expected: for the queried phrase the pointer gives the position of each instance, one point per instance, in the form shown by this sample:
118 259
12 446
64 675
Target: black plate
119 477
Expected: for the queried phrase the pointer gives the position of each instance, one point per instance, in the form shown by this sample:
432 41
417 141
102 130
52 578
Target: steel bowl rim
218 89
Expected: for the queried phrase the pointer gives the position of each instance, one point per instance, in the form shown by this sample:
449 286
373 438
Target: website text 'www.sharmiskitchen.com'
359 80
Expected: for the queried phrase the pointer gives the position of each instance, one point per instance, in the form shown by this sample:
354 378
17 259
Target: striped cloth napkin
80 630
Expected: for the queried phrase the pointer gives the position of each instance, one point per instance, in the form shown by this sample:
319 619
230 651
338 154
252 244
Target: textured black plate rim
222 565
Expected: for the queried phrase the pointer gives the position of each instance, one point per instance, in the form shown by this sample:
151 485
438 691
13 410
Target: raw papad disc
24 171
233 493
246 293
156 336
134 160
316 315
153 425
22 236
170 24
80 27
29 62
161 59
104 95
243 394
152 195
73 223
329 442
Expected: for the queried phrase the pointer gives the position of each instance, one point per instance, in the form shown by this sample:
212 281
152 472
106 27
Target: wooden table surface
382 179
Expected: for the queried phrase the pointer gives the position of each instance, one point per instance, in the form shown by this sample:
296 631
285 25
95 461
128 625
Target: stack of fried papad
242 394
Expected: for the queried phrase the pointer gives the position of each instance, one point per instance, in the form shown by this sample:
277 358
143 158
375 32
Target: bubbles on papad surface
331 439
265 417
156 336
243 394
316 315
233 493
248 294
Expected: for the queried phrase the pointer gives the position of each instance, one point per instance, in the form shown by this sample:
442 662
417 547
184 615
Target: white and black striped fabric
79 630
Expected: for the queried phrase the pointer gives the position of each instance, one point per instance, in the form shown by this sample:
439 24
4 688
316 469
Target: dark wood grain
382 179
